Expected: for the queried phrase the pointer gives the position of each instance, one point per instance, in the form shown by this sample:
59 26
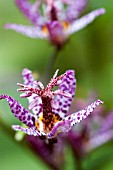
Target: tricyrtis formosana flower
54 19
49 107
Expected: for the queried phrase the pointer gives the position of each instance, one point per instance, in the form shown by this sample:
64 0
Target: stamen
21 85
24 95
38 83
23 90
68 95
54 80
55 74
60 77
28 89
59 82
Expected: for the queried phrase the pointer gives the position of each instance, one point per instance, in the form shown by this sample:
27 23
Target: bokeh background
89 52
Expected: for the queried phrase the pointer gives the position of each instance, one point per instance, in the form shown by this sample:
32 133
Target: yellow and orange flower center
45 124
47 119
45 29
65 24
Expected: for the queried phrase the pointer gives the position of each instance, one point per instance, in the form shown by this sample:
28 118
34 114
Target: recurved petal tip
83 114
99 102
102 11
6 26
26 71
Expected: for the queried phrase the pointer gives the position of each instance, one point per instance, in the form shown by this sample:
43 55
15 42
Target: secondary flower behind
49 107
54 20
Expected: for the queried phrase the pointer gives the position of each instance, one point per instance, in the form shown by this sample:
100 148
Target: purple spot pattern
28 80
28 131
81 115
25 6
71 120
68 85
19 111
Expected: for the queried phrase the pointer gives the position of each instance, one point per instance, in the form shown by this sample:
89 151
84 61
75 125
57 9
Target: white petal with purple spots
28 131
68 85
81 115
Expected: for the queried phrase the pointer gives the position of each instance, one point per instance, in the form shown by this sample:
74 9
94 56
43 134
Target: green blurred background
89 52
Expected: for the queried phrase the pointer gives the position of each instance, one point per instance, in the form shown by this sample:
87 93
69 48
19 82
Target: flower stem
50 66
78 164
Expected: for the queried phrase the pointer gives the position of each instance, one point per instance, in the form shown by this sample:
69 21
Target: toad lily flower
53 20
49 107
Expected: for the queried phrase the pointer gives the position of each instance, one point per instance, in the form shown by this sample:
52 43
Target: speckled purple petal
84 21
28 131
68 85
28 80
29 31
28 10
19 111
74 9
81 115
59 127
